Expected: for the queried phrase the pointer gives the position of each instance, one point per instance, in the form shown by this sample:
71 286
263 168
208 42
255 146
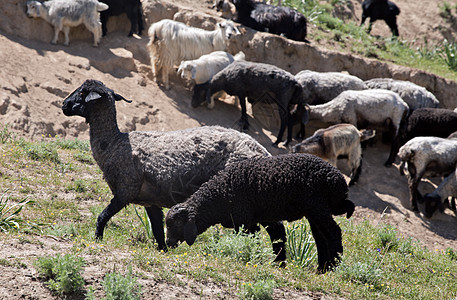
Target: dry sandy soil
35 76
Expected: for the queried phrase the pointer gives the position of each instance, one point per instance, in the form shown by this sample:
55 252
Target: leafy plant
361 272
388 238
63 273
120 287
9 218
145 222
448 54
5 135
241 246
261 290
300 244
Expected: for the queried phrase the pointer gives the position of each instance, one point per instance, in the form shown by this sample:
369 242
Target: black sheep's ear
190 232
92 96
118 97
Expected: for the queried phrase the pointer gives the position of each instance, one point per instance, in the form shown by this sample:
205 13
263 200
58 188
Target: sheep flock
187 170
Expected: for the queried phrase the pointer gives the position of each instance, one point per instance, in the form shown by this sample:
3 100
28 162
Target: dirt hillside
35 76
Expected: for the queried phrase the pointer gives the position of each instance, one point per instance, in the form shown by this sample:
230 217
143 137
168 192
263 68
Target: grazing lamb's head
180 226
91 93
201 93
33 9
187 70
228 29
432 203
312 145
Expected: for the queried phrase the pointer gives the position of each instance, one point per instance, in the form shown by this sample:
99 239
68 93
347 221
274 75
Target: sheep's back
414 95
421 151
282 187
373 106
254 79
439 122
325 86
180 161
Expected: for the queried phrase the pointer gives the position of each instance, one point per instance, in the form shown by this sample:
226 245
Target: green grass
378 263
347 36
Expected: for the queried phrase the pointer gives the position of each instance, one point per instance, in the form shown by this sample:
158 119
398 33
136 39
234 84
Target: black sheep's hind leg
155 215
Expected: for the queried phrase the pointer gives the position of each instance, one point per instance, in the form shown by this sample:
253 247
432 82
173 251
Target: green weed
62 273
300 244
120 287
260 290
9 214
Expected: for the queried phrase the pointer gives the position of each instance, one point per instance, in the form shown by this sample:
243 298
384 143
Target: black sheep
283 187
133 10
381 10
278 20
256 81
439 122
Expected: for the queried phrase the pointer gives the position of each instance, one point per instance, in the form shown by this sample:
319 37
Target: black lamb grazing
439 122
133 10
381 10
278 20
266 190
255 81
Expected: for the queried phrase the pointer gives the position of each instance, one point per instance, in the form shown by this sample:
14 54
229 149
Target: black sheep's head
180 227
201 94
432 203
91 92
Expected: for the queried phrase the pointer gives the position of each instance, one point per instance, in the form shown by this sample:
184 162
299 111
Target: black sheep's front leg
277 234
113 208
327 235
286 120
244 123
155 215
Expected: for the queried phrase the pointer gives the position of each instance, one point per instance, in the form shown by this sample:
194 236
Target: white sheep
324 86
426 156
171 42
202 69
414 95
336 140
379 109
434 200
63 14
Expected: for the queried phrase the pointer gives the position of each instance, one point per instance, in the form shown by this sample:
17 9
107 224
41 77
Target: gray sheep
270 189
321 87
153 169
426 156
414 95
435 199
63 14
256 81
380 109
